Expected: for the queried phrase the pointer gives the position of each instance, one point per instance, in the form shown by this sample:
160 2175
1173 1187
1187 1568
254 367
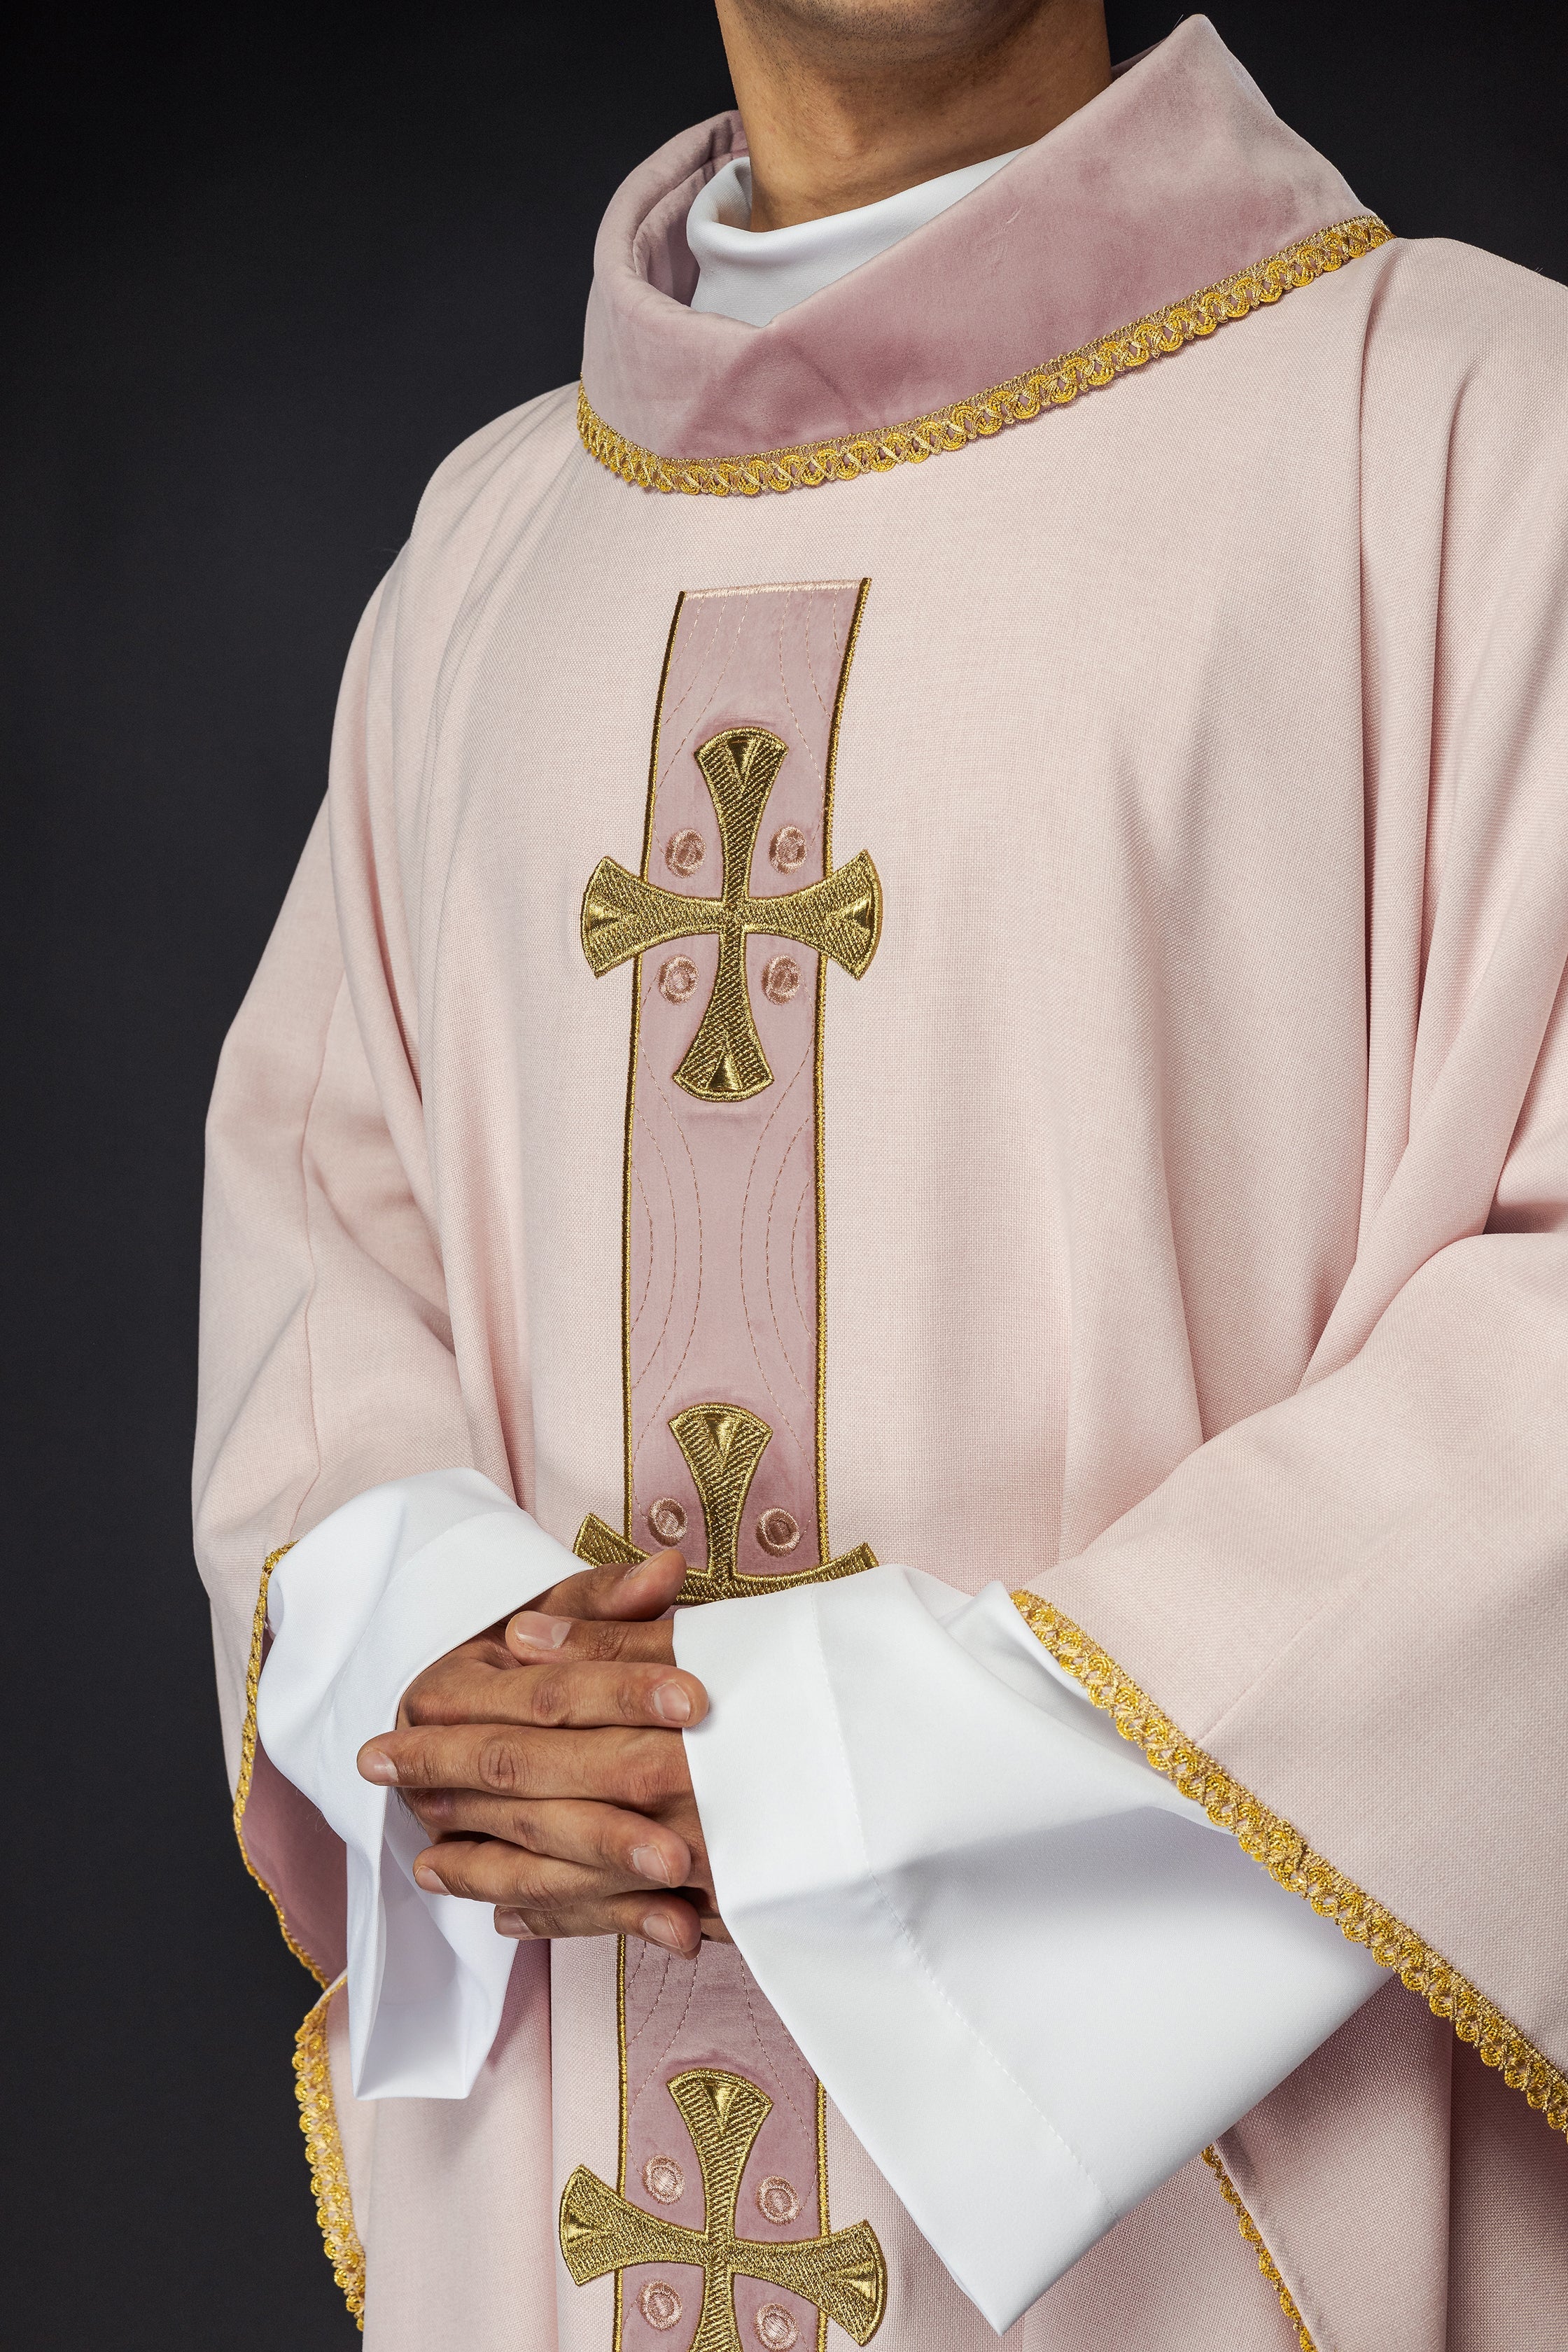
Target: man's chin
892 31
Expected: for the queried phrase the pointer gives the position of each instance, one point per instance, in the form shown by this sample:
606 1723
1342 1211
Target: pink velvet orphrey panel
724 1240
730 924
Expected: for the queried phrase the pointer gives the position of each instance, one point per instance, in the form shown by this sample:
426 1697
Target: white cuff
362 1604
1034 1979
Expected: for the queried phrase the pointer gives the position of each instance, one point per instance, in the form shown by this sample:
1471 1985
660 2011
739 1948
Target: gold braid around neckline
844 457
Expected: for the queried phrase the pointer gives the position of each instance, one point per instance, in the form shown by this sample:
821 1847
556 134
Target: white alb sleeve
1034 1979
363 1603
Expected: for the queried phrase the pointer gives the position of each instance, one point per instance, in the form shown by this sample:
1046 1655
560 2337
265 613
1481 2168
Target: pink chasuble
1054 1069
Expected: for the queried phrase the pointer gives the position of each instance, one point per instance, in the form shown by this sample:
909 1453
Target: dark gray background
265 266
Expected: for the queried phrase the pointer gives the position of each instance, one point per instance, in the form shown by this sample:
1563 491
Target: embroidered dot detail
660 2306
677 979
683 852
661 2176
786 851
777 2200
781 978
666 1520
776 2328
778 1532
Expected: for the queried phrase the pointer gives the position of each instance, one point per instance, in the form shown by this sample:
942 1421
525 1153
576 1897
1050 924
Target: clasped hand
545 1761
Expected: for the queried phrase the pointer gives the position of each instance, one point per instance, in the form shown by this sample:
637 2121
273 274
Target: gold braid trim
808 463
247 1757
328 2173
312 2069
1266 2262
1286 1855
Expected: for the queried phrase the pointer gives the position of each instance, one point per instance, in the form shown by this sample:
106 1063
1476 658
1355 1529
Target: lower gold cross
723 1445
843 2274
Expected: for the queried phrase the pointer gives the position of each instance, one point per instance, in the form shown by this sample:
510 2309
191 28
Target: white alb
1034 1979
362 1604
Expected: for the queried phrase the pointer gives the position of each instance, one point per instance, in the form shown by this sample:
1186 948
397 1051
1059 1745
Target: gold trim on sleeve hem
329 2172
1286 1855
1266 2262
844 457
247 1759
312 2068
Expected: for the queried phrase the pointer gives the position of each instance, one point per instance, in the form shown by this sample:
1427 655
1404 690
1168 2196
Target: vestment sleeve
327 1359
1342 1622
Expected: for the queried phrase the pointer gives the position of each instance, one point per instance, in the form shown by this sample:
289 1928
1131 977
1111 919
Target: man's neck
845 101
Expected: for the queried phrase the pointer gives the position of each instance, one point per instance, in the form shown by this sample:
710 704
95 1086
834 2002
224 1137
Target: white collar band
752 275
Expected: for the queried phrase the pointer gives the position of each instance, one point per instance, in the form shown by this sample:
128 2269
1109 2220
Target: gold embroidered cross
844 2273
841 916
723 1445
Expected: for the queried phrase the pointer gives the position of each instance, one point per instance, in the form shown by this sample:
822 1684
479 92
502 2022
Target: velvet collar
1176 176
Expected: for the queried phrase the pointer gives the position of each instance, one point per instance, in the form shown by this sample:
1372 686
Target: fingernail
376 1765
426 1877
635 1568
671 1705
513 1923
649 1862
660 1929
539 1632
